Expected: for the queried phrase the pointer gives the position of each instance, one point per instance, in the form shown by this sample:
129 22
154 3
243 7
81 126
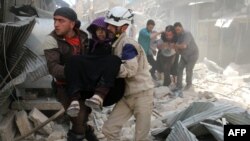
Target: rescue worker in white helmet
138 97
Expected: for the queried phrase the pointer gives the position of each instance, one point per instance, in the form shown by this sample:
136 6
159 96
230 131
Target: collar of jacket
81 34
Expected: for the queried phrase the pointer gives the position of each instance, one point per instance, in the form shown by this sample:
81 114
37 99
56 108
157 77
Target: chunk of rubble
24 124
8 127
56 135
161 92
38 118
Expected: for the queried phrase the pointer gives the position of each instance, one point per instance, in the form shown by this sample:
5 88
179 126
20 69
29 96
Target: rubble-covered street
216 99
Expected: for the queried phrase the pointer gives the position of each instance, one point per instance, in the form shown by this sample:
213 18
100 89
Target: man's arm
129 66
187 39
155 34
52 56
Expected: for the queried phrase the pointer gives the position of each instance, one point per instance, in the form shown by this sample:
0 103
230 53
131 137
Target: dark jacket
59 51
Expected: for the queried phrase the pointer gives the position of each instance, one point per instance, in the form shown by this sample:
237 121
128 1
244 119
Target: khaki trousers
140 105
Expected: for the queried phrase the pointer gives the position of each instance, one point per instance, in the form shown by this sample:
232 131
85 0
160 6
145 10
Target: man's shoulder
129 40
187 33
83 34
143 30
50 42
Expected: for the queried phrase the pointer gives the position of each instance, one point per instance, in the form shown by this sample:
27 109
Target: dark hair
169 28
77 24
177 24
150 22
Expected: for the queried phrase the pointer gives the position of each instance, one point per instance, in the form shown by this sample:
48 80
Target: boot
71 136
89 134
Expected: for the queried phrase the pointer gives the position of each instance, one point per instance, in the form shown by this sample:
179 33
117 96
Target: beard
111 35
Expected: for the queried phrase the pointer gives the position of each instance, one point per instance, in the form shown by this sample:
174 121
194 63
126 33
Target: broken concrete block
161 92
40 137
156 123
100 135
61 140
37 117
56 135
7 127
24 124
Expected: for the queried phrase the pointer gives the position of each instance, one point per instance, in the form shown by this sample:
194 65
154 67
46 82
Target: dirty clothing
165 65
138 97
134 68
166 57
58 51
139 105
174 67
57 54
189 65
189 57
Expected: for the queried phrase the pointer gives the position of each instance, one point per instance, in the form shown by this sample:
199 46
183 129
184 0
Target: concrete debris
7 127
212 66
56 135
218 97
37 117
23 124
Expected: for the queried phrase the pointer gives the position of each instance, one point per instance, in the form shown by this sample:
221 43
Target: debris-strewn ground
218 97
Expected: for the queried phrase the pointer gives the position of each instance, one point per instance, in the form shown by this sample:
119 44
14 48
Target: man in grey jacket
138 97
189 55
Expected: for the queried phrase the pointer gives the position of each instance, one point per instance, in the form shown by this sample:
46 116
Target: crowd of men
111 68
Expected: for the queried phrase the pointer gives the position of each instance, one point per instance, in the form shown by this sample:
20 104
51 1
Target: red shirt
75 43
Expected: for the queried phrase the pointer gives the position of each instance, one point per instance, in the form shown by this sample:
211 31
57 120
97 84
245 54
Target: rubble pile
218 97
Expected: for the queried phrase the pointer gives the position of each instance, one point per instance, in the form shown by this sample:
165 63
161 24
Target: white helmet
119 16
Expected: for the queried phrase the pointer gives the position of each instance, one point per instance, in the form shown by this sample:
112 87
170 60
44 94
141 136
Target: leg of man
143 110
120 114
79 123
152 62
181 67
167 70
189 70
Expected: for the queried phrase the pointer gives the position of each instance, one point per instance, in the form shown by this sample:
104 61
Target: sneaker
73 109
95 102
176 89
187 87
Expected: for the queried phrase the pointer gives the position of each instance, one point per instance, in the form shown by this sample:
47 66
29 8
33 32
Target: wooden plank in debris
40 104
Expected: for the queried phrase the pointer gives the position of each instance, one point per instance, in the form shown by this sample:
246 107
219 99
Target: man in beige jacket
138 97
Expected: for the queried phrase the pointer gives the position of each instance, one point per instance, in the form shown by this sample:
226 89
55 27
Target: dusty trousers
139 105
189 65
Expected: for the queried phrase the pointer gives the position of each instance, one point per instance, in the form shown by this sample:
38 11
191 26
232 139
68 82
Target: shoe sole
93 105
73 112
